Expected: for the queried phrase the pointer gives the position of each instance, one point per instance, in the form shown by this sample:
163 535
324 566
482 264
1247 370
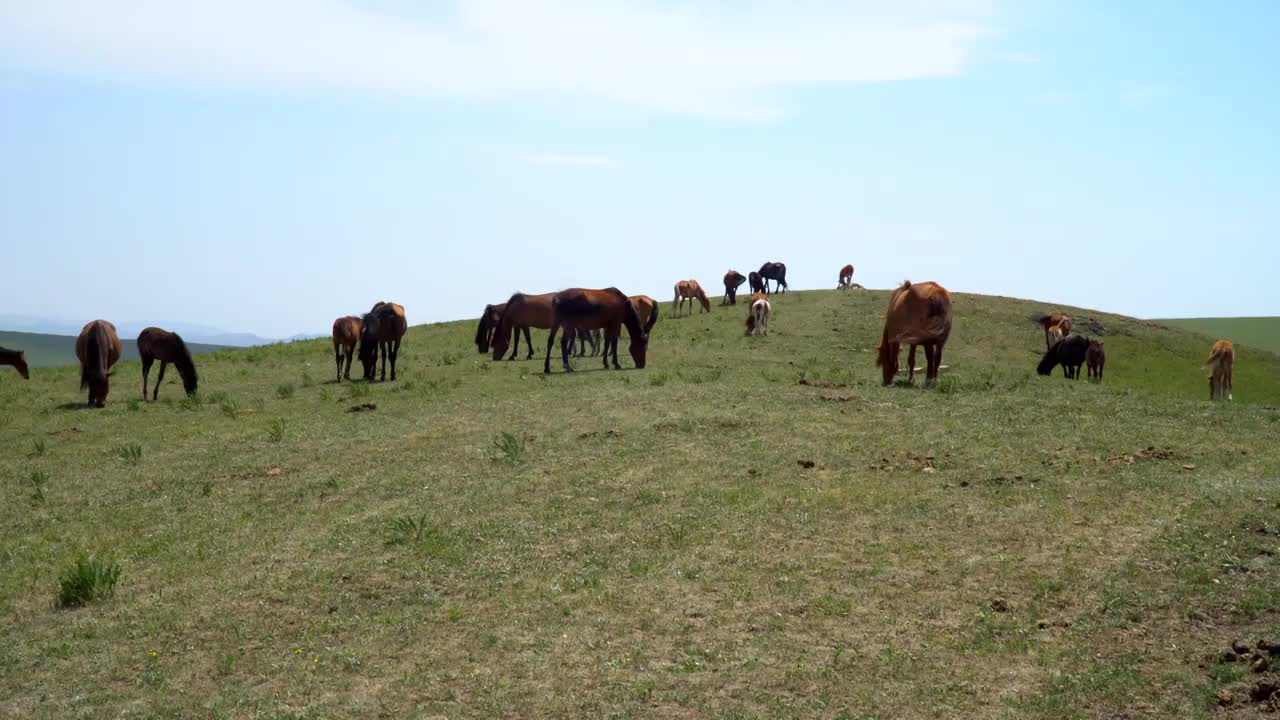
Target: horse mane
630 317
93 372
482 330
185 365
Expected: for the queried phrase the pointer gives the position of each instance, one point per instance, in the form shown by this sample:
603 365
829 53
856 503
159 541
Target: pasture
45 350
1262 333
749 527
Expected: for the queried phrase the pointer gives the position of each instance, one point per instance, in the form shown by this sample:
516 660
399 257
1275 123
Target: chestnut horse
846 277
346 333
381 330
647 309
1221 359
521 313
17 359
732 281
688 290
1050 321
758 315
1070 352
97 349
919 314
608 309
489 320
1095 357
156 344
776 272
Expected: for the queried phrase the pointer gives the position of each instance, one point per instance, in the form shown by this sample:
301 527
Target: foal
156 344
346 334
1220 362
1095 357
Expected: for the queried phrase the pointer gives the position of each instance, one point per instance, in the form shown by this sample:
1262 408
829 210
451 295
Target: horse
97 348
17 359
381 329
1048 322
776 272
489 320
608 309
756 284
156 344
1221 359
919 314
522 312
846 277
1070 352
1095 357
688 290
647 309
732 281
585 338
346 333
758 315
1055 335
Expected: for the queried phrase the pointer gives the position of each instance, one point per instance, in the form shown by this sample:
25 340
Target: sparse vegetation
275 429
86 580
508 448
285 391
131 454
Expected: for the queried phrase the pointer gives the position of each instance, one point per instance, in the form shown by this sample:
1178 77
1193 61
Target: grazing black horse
489 320
776 272
757 285
732 281
1069 352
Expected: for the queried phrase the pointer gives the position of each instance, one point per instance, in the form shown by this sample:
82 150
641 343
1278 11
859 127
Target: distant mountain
190 332
44 350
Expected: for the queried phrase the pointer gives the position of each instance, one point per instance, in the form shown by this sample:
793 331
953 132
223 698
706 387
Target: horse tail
482 330
675 302
938 311
653 320
186 366
882 351
93 371
751 319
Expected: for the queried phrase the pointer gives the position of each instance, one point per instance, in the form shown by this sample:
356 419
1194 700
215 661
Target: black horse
1069 352
776 272
489 320
732 281
757 285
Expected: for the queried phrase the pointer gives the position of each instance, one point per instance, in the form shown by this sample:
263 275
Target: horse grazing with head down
758 315
608 309
754 282
167 347
1070 352
381 330
489 320
521 313
688 290
97 348
1051 321
732 281
919 314
776 272
17 359
647 308
846 278
346 335
1095 357
1221 360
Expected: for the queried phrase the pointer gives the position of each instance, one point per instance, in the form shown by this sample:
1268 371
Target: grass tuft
131 454
275 430
87 579
508 448
284 391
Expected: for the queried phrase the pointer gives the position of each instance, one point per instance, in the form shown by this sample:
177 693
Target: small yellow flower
152 654
297 651
317 660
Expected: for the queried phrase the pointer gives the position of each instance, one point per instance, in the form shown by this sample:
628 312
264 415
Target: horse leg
350 351
146 370
382 350
551 340
528 343
337 356
395 352
155 390
911 365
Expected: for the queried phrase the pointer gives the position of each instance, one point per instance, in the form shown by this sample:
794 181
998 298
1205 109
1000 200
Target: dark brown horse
732 281
1070 352
756 284
522 312
919 314
17 359
382 328
346 334
156 344
489 320
607 309
97 349
1096 358
776 272
846 277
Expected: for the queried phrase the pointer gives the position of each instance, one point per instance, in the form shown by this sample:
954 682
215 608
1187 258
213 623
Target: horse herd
919 315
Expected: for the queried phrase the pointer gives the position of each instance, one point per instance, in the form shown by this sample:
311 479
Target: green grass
763 532
1254 333
44 350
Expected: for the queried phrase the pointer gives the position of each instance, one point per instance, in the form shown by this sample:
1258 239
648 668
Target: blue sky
266 167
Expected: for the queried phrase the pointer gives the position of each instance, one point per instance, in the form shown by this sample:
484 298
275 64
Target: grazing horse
1050 321
97 349
607 309
919 314
156 344
732 281
754 282
846 277
381 329
1221 359
776 272
346 334
758 315
688 290
1069 352
489 320
522 312
647 309
1095 357
17 359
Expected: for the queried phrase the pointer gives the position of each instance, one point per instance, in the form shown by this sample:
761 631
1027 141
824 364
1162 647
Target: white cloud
563 160
709 57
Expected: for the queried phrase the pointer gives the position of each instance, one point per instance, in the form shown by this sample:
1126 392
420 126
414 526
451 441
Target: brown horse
17 359
688 290
846 277
919 314
1095 357
346 333
381 329
608 309
156 344
758 312
732 281
521 313
1050 321
97 349
647 309
1221 360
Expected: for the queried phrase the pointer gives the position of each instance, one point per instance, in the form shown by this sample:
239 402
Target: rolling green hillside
1261 333
53 350
746 528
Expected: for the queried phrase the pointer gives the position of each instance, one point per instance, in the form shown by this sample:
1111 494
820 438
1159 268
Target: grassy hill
749 527
54 350
1262 333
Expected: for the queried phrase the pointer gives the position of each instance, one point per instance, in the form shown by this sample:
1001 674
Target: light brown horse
97 349
1050 321
381 329
608 309
919 314
688 290
647 309
17 359
758 314
732 281
1221 360
846 277
346 334
522 312
156 344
